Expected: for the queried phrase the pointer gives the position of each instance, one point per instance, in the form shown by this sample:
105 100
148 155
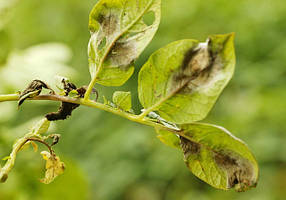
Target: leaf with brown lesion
214 155
217 157
182 81
118 36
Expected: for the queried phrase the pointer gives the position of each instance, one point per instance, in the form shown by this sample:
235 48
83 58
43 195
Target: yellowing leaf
54 167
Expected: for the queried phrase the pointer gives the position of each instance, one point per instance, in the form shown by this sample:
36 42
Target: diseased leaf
122 100
118 36
34 89
217 157
183 80
54 167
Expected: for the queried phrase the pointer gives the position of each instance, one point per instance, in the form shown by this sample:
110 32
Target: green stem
92 104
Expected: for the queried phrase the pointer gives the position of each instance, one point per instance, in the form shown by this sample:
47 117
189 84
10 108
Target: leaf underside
119 34
214 155
183 80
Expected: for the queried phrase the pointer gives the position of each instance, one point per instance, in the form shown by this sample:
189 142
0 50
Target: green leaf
217 157
122 100
54 167
183 80
119 34
168 138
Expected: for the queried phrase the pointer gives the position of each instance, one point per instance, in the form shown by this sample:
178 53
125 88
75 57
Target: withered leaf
34 89
54 167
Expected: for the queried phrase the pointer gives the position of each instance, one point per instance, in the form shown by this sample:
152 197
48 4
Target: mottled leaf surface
183 80
122 100
215 156
119 34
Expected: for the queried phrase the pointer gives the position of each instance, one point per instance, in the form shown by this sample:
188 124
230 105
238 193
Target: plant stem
92 104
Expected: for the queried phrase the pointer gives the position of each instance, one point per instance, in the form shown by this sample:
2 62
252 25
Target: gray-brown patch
240 172
199 67
108 22
189 147
123 54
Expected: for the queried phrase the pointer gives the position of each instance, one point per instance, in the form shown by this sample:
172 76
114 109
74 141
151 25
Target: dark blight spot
109 23
199 67
149 18
123 54
189 147
240 173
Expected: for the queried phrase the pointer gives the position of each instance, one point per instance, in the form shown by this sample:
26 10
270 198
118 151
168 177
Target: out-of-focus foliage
111 158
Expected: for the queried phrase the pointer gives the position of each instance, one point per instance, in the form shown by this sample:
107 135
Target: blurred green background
110 158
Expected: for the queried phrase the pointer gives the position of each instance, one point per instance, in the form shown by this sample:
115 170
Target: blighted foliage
66 108
54 166
118 36
177 87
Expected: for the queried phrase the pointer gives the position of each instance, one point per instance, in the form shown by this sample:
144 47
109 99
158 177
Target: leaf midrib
120 35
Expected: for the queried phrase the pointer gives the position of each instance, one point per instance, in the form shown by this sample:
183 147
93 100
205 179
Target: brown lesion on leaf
123 54
189 148
240 173
199 67
108 20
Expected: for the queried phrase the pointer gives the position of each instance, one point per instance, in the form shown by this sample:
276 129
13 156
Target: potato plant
177 87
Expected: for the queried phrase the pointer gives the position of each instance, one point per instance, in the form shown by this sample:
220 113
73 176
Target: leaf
54 167
183 80
122 100
119 34
34 89
6 158
217 157
168 138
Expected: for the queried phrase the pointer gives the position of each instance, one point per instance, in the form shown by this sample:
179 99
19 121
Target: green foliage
214 155
122 100
118 36
183 80
178 86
